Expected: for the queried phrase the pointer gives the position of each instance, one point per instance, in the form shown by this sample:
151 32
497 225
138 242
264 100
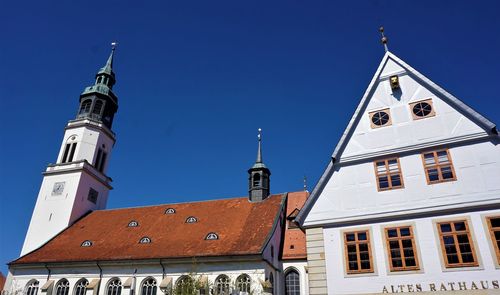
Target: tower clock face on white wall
58 188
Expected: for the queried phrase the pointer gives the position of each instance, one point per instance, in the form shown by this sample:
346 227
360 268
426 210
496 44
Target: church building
410 199
74 245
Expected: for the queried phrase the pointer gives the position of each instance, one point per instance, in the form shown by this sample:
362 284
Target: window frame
491 232
370 252
81 284
148 288
438 166
454 233
412 237
372 113
427 100
244 281
287 272
388 174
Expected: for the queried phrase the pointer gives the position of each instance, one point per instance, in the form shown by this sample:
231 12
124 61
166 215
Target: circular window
422 109
380 118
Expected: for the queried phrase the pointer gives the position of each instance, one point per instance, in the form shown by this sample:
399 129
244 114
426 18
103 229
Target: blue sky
195 79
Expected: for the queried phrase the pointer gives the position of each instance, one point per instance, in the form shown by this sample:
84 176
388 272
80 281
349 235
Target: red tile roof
294 246
243 229
2 281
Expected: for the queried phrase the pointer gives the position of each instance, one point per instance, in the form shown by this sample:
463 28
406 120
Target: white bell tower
78 183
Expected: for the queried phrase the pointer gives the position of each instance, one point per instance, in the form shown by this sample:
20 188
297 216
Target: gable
453 121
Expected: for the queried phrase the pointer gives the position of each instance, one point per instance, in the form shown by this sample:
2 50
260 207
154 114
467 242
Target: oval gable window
380 118
422 109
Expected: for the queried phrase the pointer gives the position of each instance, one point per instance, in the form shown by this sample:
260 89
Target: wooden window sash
356 242
431 114
388 174
400 239
492 231
438 166
389 123
454 234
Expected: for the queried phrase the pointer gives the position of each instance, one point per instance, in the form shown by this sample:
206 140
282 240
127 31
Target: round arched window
222 285
380 118
148 287
81 287
422 109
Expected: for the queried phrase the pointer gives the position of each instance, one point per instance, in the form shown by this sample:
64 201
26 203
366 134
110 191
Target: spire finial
259 150
384 38
305 183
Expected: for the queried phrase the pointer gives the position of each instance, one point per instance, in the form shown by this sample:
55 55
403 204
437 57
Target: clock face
58 188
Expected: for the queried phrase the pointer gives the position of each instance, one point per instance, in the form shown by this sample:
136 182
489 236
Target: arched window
81 287
69 149
256 180
292 282
243 283
114 287
148 287
85 106
31 288
62 287
97 107
184 286
222 285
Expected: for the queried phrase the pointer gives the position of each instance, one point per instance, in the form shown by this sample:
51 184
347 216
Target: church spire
98 102
258 181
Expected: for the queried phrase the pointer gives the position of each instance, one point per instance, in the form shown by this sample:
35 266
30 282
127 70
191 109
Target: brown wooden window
358 252
401 247
388 174
494 227
380 118
456 244
422 109
438 166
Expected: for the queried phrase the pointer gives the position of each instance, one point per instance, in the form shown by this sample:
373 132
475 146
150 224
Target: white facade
74 185
348 197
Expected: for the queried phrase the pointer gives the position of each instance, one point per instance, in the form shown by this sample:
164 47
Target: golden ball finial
381 29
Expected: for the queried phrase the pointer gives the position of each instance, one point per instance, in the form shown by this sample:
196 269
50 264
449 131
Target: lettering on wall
442 286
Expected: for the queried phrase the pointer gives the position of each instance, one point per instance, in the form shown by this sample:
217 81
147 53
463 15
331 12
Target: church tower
78 183
258 177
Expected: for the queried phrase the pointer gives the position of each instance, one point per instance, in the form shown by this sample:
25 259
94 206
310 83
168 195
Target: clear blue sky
195 79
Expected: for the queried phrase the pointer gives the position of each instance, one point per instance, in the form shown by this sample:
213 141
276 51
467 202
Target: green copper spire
258 162
108 68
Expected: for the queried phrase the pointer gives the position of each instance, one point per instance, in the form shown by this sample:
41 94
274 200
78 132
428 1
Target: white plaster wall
405 131
88 140
139 272
301 267
429 251
352 190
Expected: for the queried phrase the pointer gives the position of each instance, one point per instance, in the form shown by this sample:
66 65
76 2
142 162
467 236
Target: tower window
100 160
92 197
99 79
72 152
256 180
97 107
85 107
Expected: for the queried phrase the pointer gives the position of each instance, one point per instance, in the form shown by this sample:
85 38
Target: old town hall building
409 202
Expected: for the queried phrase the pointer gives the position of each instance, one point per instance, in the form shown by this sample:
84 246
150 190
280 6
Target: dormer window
380 118
133 223
191 219
422 109
86 243
170 211
145 240
212 236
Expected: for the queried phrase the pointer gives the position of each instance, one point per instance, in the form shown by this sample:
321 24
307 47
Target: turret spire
108 68
258 181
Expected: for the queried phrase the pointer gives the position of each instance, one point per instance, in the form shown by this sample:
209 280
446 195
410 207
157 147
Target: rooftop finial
384 38
305 183
259 150
113 45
